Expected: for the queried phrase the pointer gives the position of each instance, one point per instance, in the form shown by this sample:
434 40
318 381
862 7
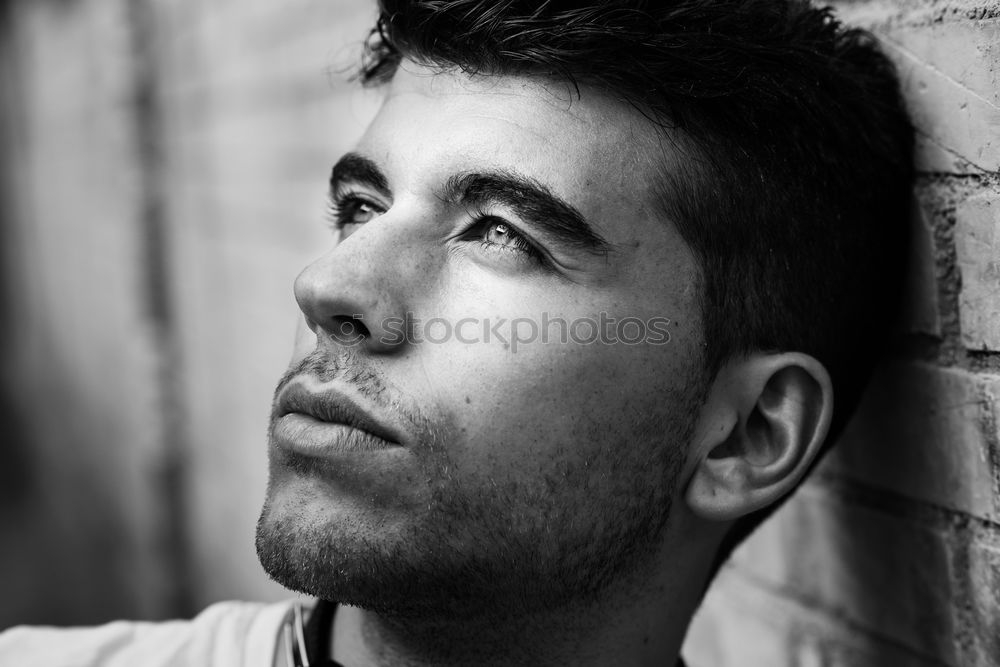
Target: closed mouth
334 407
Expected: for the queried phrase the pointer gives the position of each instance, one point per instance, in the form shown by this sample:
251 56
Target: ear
763 424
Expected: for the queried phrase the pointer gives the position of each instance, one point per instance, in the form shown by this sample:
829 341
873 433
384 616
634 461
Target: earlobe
765 421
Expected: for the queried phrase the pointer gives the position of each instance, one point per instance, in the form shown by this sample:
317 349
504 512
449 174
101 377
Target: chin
453 558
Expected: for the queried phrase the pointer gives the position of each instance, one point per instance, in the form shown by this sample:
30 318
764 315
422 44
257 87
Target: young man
600 270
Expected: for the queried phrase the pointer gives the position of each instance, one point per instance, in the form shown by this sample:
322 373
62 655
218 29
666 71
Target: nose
353 296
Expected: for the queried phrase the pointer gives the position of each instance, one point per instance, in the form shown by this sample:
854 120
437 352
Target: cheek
523 404
549 405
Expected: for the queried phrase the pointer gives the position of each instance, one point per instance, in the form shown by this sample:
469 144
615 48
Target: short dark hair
795 193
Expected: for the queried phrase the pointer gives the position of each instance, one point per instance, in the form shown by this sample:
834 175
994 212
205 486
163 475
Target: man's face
511 473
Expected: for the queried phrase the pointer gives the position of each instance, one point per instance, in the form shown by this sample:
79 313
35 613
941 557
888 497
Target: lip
329 420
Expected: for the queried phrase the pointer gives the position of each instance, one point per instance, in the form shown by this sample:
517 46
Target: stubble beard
487 551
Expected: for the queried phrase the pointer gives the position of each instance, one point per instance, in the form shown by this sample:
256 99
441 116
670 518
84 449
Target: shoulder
227 634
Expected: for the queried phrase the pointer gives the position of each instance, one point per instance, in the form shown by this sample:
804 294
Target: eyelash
339 209
342 207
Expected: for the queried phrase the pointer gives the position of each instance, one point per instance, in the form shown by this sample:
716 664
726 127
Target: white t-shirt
227 634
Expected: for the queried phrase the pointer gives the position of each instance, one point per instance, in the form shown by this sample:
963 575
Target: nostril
348 329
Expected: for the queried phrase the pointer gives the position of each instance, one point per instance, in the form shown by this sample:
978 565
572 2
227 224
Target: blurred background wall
162 176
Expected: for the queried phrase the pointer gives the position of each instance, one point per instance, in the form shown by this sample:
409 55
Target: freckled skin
547 462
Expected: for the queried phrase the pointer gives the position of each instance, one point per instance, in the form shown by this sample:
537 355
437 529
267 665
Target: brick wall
163 180
891 555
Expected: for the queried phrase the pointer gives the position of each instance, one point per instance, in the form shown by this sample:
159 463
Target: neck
632 626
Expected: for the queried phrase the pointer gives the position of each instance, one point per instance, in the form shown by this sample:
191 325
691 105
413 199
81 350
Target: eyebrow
356 168
531 200
528 198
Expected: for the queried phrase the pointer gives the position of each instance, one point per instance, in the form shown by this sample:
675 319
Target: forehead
479 118
528 115
598 153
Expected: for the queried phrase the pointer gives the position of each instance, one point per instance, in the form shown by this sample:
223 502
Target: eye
345 211
499 236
